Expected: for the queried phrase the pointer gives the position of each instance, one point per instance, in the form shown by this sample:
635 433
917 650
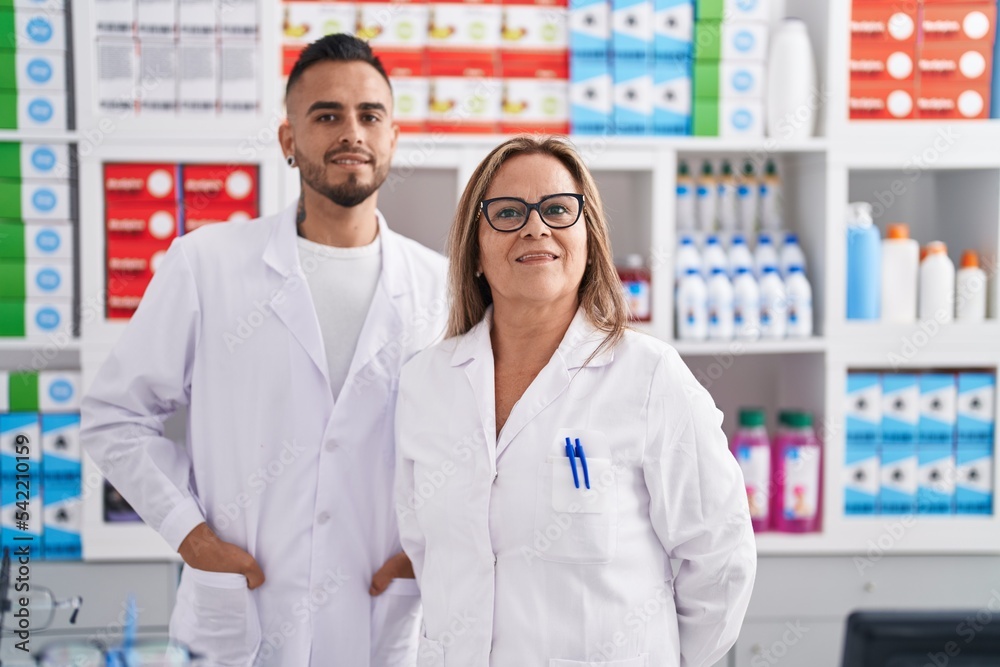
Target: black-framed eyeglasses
509 214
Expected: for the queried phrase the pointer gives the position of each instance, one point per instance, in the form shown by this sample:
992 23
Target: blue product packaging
61 458
673 29
863 408
974 483
861 479
900 407
62 522
672 97
632 29
19 431
589 29
936 478
591 95
938 396
976 407
633 97
898 494
21 525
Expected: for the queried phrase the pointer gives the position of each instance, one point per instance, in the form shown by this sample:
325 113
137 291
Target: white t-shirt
342 282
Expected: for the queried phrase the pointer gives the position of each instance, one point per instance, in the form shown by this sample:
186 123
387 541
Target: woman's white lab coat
519 568
273 461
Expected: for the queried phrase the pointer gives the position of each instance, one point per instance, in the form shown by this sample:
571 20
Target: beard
347 194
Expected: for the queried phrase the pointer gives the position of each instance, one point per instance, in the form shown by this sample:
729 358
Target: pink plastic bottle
796 470
752 449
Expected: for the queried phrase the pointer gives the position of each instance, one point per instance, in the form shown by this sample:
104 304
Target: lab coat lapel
475 351
292 303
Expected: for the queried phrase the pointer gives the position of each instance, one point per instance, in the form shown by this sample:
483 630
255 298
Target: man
284 337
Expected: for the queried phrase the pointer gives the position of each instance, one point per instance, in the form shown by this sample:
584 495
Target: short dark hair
339 48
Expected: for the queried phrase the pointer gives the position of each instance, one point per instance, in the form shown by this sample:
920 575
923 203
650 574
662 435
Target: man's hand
397 567
203 550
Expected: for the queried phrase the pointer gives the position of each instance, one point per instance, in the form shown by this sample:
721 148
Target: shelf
33 344
916 145
741 347
40 136
924 345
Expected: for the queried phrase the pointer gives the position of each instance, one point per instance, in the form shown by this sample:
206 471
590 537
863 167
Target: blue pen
572 462
583 463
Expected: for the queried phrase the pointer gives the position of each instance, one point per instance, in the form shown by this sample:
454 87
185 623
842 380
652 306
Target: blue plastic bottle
864 263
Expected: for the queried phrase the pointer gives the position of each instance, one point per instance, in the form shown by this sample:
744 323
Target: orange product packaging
407 71
145 221
140 182
882 100
534 28
957 61
465 93
884 22
966 21
953 100
882 61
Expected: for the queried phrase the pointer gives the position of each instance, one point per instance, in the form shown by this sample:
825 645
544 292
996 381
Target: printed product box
33 110
673 29
114 17
239 18
59 391
32 70
882 61
149 221
885 22
590 93
195 218
632 29
465 26
131 265
936 491
937 409
900 408
156 18
633 97
465 93
589 28
535 104
239 89
950 21
955 100
976 401
715 79
672 97
197 18
862 479
730 41
898 494
36 279
33 29
955 62
211 184
61 453
23 395
534 28
36 318
140 182
197 75
35 200
410 88
734 10
305 22
62 522
157 76
882 100
974 483
863 408
117 82
24 161
19 529
728 118
15 427
397 25
36 241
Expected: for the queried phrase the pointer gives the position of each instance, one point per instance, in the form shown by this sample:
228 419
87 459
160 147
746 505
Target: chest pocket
576 525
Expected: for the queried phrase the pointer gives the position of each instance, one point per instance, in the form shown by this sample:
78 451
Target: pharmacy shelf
39 136
924 345
917 145
737 347
32 344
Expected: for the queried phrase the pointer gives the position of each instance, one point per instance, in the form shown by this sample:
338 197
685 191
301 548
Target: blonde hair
600 289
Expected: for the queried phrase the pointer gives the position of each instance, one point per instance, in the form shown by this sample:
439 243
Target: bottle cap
748 168
771 170
716 270
764 238
791 237
691 271
738 239
796 268
712 240
795 418
726 169
687 240
706 168
769 269
751 417
682 169
936 248
970 259
898 230
740 270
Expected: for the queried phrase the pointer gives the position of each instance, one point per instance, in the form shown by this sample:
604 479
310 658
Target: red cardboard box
953 101
882 61
410 88
140 182
195 218
152 222
966 21
131 265
882 100
895 22
208 185
955 61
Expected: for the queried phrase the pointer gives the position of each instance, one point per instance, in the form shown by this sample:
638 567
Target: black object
918 639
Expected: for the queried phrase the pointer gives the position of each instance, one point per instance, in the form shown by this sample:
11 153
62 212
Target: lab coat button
322 518
495 475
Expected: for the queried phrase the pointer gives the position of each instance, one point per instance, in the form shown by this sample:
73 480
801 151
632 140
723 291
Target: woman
551 462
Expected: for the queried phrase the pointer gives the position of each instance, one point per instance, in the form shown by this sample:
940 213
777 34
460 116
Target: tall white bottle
687 257
792 97
970 290
746 305
692 307
900 268
937 284
706 197
685 198
773 304
739 255
765 254
727 199
747 198
799 300
791 254
714 256
720 306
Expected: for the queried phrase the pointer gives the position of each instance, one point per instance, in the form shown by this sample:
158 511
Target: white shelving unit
955 196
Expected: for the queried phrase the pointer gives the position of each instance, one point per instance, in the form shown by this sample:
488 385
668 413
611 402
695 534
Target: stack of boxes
148 205
40 463
37 207
474 66
930 60
919 443
730 61
188 57
34 64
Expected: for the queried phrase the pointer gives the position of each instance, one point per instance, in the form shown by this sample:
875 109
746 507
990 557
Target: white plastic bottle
937 284
707 196
791 83
799 301
739 255
791 254
687 257
773 304
970 289
720 306
746 305
727 199
692 296
714 256
747 191
765 254
770 198
685 198
900 266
